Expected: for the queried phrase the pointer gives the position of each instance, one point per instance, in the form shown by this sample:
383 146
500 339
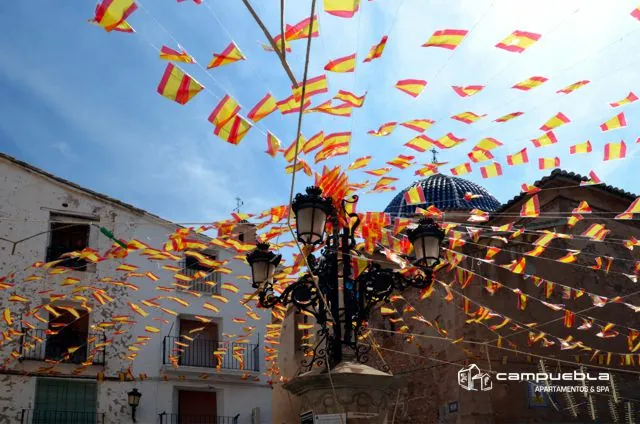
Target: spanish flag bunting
463 169
629 99
384 130
518 158
446 38
234 130
291 105
468 117
378 172
376 51
468 196
343 109
273 145
420 143
636 13
580 148
618 121
177 85
488 143
419 125
266 106
594 231
229 55
573 220
508 116
359 163
518 41
414 196
634 207
614 151
428 169
548 288
313 143
350 98
384 182
300 30
278 42
314 86
150 329
111 14
467 91
530 83
447 141
358 265
548 163
224 112
168 53
573 87
546 139
593 179
342 64
480 155
583 207
412 87
570 257
531 208
402 161
7 317
341 8
490 171
126 267
556 121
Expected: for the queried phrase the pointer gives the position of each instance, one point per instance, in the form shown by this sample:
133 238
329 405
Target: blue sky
82 103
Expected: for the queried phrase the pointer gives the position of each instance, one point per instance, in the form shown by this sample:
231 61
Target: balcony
196 419
40 416
56 347
209 284
199 353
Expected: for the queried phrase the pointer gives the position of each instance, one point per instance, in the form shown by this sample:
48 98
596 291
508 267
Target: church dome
446 193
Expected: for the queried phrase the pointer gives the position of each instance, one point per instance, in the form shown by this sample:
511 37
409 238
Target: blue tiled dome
446 193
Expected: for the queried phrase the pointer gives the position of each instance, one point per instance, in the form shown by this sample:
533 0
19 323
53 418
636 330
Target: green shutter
65 401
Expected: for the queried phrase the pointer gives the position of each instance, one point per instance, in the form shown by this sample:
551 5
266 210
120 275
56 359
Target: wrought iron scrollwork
316 356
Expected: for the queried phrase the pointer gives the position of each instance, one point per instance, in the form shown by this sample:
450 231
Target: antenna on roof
435 152
239 203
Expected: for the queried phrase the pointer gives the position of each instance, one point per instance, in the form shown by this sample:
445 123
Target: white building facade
77 357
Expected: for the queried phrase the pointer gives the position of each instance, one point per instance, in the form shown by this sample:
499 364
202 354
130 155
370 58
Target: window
206 284
199 353
241 237
65 238
65 401
67 337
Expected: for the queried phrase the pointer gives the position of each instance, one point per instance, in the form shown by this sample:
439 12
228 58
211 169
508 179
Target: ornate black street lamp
349 304
133 397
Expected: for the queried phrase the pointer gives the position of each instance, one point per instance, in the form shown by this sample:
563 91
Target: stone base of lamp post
354 389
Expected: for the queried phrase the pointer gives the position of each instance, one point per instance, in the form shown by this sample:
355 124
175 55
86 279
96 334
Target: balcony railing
196 419
38 345
208 284
200 353
43 416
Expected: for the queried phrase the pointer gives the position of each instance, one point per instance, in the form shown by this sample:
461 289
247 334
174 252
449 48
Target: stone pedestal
362 392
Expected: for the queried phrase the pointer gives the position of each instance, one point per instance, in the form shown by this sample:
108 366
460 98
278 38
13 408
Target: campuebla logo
471 378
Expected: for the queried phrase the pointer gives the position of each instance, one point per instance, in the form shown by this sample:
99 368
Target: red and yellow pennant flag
593 179
342 64
291 105
313 143
111 14
508 117
573 87
570 257
420 143
614 151
412 87
488 143
384 130
376 51
548 163
300 30
545 139
479 155
467 91
402 161
531 208
530 83
556 121
234 130
419 125
583 207
350 98
447 141
629 99
580 148
290 152
415 196
359 163
273 145
229 55
618 121
490 171
446 38
177 85
569 318
518 158
266 106
634 207
224 112
168 53
518 41
314 86
516 266
465 168
468 117
341 8
378 172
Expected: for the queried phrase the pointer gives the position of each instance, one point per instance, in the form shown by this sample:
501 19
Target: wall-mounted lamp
134 400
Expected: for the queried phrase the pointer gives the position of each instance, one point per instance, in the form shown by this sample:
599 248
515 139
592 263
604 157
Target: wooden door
200 350
197 407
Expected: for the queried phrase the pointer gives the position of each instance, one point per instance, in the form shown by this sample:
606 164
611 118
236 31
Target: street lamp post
342 320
